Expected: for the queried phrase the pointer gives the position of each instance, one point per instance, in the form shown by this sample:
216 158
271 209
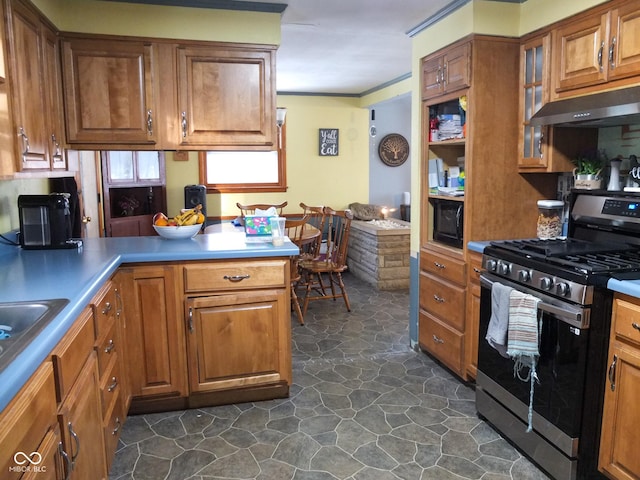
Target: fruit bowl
175 232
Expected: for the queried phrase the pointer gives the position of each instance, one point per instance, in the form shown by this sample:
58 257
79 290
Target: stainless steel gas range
568 276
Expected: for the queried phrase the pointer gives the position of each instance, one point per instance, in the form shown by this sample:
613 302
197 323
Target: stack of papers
451 191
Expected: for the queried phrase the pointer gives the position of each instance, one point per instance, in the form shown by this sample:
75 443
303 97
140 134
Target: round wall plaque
393 150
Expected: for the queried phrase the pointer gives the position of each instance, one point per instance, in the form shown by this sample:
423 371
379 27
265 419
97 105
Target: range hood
612 108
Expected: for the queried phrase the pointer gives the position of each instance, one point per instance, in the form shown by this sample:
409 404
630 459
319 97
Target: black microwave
448 220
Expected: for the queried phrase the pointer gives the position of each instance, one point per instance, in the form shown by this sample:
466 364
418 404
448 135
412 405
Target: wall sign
393 150
328 142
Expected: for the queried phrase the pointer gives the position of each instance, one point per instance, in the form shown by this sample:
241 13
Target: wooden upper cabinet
446 71
30 84
624 42
226 96
597 48
109 91
544 148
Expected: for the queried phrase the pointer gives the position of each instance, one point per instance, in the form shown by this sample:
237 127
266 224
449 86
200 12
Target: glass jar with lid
549 219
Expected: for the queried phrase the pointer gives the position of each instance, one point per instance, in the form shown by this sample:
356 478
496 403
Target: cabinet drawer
26 420
106 347
110 386
442 341
112 428
443 300
234 275
104 305
475 267
71 353
444 267
626 315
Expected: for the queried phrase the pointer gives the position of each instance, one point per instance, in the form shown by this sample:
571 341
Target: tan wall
312 179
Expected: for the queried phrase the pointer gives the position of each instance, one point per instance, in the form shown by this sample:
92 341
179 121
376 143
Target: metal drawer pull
184 124
149 123
477 270
612 49
437 339
236 278
77 442
117 428
110 346
107 308
612 373
190 320
67 460
438 299
113 385
25 142
636 326
600 51
439 265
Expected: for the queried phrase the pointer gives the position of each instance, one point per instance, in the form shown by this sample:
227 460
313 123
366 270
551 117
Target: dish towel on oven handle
522 340
499 321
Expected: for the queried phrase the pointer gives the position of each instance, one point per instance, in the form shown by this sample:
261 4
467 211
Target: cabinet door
580 53
80 418
24 423
109 91
154 338
53 95
432 80
620 422
28 85
624 43
52 465
472 320
457 67
226 97
237 340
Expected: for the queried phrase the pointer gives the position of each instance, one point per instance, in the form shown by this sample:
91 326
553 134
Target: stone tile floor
363 406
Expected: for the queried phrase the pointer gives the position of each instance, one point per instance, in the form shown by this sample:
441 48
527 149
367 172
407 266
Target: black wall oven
569 278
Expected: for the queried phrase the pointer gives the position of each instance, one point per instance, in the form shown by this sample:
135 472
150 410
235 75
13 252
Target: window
245 171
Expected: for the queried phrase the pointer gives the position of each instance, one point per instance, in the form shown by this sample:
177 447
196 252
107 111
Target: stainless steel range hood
613 108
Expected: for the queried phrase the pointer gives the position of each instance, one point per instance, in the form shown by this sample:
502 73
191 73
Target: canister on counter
549 219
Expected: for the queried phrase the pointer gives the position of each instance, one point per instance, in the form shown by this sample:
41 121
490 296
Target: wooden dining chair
251 209
332 263
317 219
295 228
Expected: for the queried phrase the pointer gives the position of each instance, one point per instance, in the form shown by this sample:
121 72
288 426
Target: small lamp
281 113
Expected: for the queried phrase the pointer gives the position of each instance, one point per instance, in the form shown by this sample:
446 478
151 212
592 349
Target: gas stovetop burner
560 247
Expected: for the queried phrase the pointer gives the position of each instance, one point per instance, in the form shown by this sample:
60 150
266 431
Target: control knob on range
504 268
546 283
524 275
491 265
563 289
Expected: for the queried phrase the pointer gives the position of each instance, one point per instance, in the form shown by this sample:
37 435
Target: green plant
589 163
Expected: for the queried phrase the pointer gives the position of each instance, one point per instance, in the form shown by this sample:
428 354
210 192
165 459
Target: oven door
561 369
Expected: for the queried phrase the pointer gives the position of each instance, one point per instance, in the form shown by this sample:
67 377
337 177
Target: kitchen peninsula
161 323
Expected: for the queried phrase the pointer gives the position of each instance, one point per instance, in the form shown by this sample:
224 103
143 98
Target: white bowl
174 232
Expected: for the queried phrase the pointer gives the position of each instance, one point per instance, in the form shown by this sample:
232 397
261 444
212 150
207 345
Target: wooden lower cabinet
223 328
441 330
154 332
473 314
27 423
620 421
80 418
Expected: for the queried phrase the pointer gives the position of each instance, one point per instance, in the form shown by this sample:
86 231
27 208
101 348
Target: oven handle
572 316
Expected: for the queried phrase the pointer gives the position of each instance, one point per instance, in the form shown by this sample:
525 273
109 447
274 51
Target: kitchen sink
20 323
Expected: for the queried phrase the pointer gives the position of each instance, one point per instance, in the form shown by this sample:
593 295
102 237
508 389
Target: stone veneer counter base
379 254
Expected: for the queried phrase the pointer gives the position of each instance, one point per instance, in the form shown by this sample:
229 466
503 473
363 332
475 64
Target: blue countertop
77 275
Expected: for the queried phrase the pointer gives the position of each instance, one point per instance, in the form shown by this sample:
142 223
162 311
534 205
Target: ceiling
345 47
348 46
